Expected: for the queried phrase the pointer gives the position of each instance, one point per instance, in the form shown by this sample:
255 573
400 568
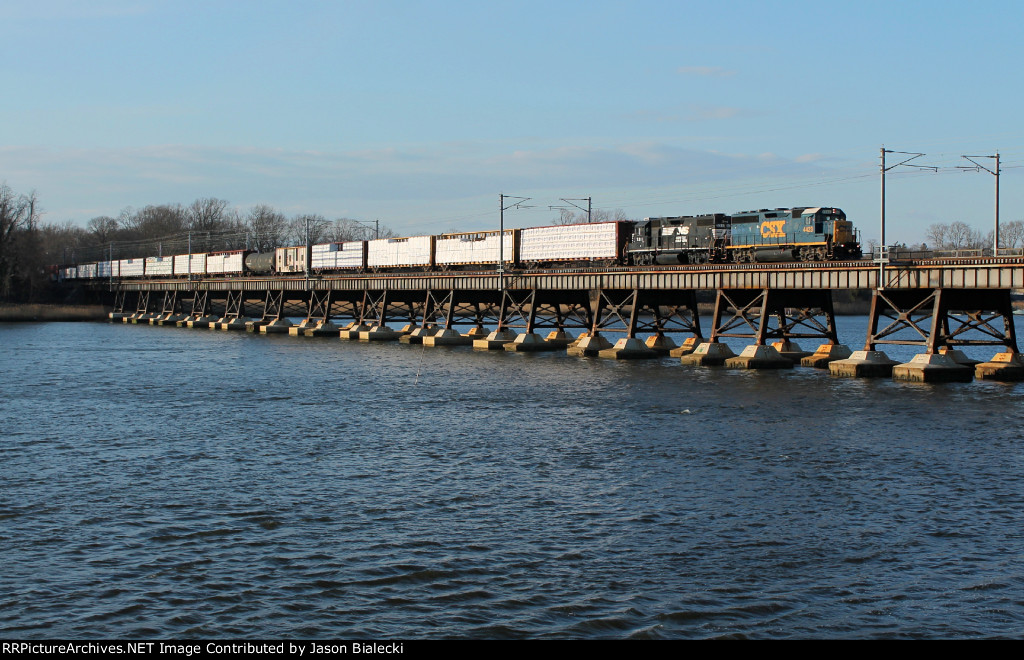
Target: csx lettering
772 229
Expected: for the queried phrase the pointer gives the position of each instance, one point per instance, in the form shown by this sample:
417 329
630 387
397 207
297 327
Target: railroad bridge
940 305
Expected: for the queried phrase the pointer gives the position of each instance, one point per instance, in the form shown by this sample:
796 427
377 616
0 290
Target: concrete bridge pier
825 355
299 329
759 356
932 368
707 354
322 328
198 321
418 334
559 339
379 333
529 342
863 364
790 350
660 344
352 330
446 337
495 341
589 344
688 346
1006 367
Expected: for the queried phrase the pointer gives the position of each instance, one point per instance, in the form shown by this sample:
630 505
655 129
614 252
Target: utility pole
572 202
995 172
883 253
309 249
376 226
501 231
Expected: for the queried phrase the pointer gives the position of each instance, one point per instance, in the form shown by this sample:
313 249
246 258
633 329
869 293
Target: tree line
961 236
28 246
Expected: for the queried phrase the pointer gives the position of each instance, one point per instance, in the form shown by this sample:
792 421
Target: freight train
786 234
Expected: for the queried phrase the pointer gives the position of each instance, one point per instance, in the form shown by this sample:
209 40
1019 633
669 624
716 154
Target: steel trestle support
942 318
767 314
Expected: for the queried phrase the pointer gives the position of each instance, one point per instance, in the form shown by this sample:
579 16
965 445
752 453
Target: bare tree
347 229
569 217
937 235
62 243
18 217
207 214
267 228
1011 234
318 227
962 237
954 236
155 222
103 228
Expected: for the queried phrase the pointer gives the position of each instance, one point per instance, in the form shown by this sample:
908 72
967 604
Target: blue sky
421 113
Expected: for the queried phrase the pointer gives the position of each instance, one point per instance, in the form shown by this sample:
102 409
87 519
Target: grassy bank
16 312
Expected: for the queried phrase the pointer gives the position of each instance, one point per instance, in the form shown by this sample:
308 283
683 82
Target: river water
165 482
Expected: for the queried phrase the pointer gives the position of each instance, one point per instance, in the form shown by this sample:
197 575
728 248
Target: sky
419 114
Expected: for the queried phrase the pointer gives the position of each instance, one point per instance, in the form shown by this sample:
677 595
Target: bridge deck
959 274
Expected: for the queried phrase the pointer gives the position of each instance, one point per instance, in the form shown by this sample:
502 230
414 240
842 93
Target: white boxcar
87 271
108 269
229 263
600 240
182 264
156 266
132 267
330 256
473 248
412 251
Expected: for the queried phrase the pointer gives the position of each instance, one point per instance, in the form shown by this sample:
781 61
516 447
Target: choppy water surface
166 482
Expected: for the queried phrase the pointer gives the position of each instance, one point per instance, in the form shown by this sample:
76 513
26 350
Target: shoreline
37 312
